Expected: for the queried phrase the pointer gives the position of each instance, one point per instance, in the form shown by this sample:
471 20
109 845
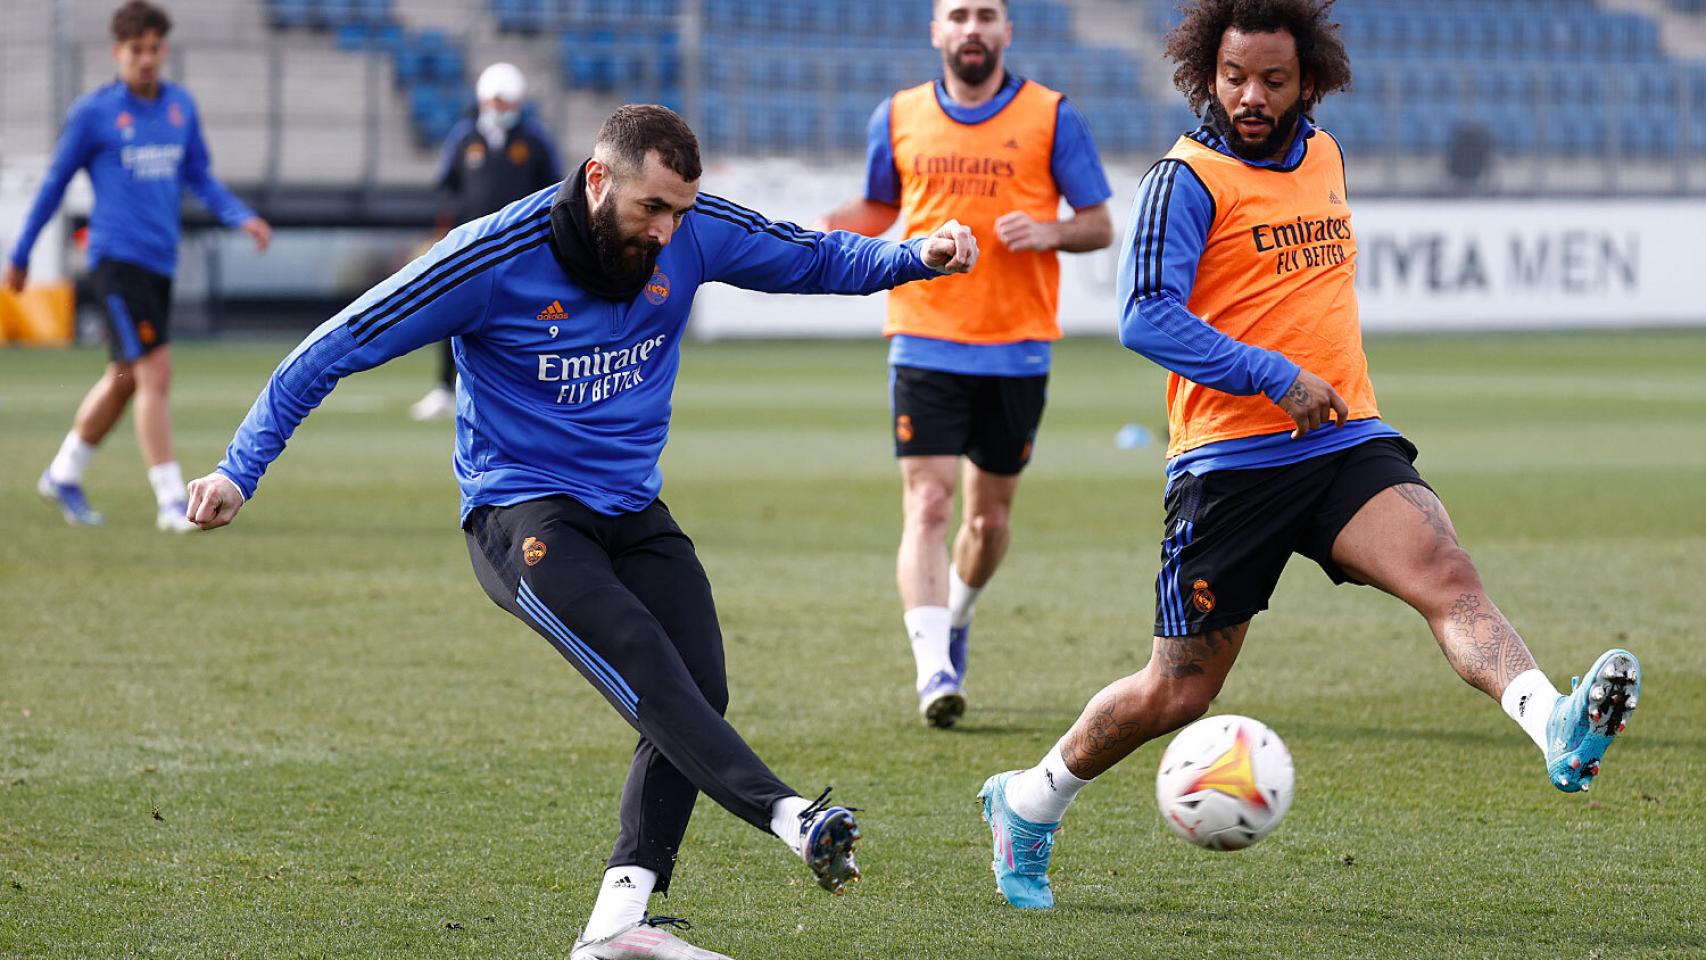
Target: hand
1020 233
823 224
1311 402
260 230
214 501
951 249
15 277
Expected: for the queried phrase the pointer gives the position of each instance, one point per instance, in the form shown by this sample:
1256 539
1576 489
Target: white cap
501 81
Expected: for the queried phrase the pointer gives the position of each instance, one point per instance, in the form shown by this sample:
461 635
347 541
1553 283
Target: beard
625 261
1265 148
973 74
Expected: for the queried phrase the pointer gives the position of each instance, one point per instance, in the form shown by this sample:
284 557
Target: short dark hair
1195 44
139 17
641 128
937 4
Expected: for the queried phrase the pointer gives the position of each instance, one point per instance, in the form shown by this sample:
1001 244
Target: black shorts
1230 532
137 304
990 420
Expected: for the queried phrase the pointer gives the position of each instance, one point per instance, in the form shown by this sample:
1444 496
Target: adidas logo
553 312
1333 197
1012 144
1049 776
1522 705
625 882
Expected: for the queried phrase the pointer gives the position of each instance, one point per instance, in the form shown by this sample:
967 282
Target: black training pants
626 602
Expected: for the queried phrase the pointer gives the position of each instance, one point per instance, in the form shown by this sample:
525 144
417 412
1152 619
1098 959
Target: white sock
621 901
962 599
1529 700
71 460
785 820
1042 793
168 483
928 628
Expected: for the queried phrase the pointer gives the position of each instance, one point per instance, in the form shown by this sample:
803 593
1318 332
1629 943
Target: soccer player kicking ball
1239 278
969 357
139 138
567 310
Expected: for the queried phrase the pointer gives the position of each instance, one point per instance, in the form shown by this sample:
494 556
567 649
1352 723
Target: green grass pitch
311 735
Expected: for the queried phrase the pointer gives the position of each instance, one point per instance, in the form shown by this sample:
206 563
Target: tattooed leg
1403 542
1182 678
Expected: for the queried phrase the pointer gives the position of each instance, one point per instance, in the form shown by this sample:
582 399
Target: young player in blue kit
567 310
140 140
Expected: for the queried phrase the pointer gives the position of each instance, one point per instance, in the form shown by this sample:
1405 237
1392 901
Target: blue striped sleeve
743 249
442 293
69 156
1169 226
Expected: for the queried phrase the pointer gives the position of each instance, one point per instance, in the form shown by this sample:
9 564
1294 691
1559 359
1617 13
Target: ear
1309 91
597 181
935 33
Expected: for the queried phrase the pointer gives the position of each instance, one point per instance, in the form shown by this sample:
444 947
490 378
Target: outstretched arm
443 293
742 248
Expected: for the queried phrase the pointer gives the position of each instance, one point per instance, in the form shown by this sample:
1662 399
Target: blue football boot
68 497
827 837
958 637
1584 722
1021 848
942 702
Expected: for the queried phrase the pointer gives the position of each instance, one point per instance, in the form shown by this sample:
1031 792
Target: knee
1451 574
1169 703
153 378
121 380
989 525
1185 703
928 506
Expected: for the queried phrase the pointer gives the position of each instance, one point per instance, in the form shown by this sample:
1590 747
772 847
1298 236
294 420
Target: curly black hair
1195 44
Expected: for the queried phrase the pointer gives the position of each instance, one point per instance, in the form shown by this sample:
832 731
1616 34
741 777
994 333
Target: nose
1253 97
661 228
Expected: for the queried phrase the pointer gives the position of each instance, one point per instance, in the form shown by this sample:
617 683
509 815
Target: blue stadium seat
288 14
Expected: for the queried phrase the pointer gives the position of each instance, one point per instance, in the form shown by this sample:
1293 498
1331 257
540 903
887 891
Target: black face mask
590 248
1265 148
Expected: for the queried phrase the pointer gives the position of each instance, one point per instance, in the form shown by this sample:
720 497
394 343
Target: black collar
573 245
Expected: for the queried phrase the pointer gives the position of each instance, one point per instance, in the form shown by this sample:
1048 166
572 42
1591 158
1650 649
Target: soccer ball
1225 782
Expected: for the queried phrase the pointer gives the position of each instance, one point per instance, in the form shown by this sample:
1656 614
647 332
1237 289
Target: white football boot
646 940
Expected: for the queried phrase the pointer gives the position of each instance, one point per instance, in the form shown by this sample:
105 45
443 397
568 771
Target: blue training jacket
560 392
140 155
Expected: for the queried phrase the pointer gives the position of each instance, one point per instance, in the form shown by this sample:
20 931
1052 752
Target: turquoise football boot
1584 722
1021 848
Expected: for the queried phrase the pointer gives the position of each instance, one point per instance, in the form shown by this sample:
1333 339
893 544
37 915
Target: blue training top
560 392
1078 175
140 154
1170 221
